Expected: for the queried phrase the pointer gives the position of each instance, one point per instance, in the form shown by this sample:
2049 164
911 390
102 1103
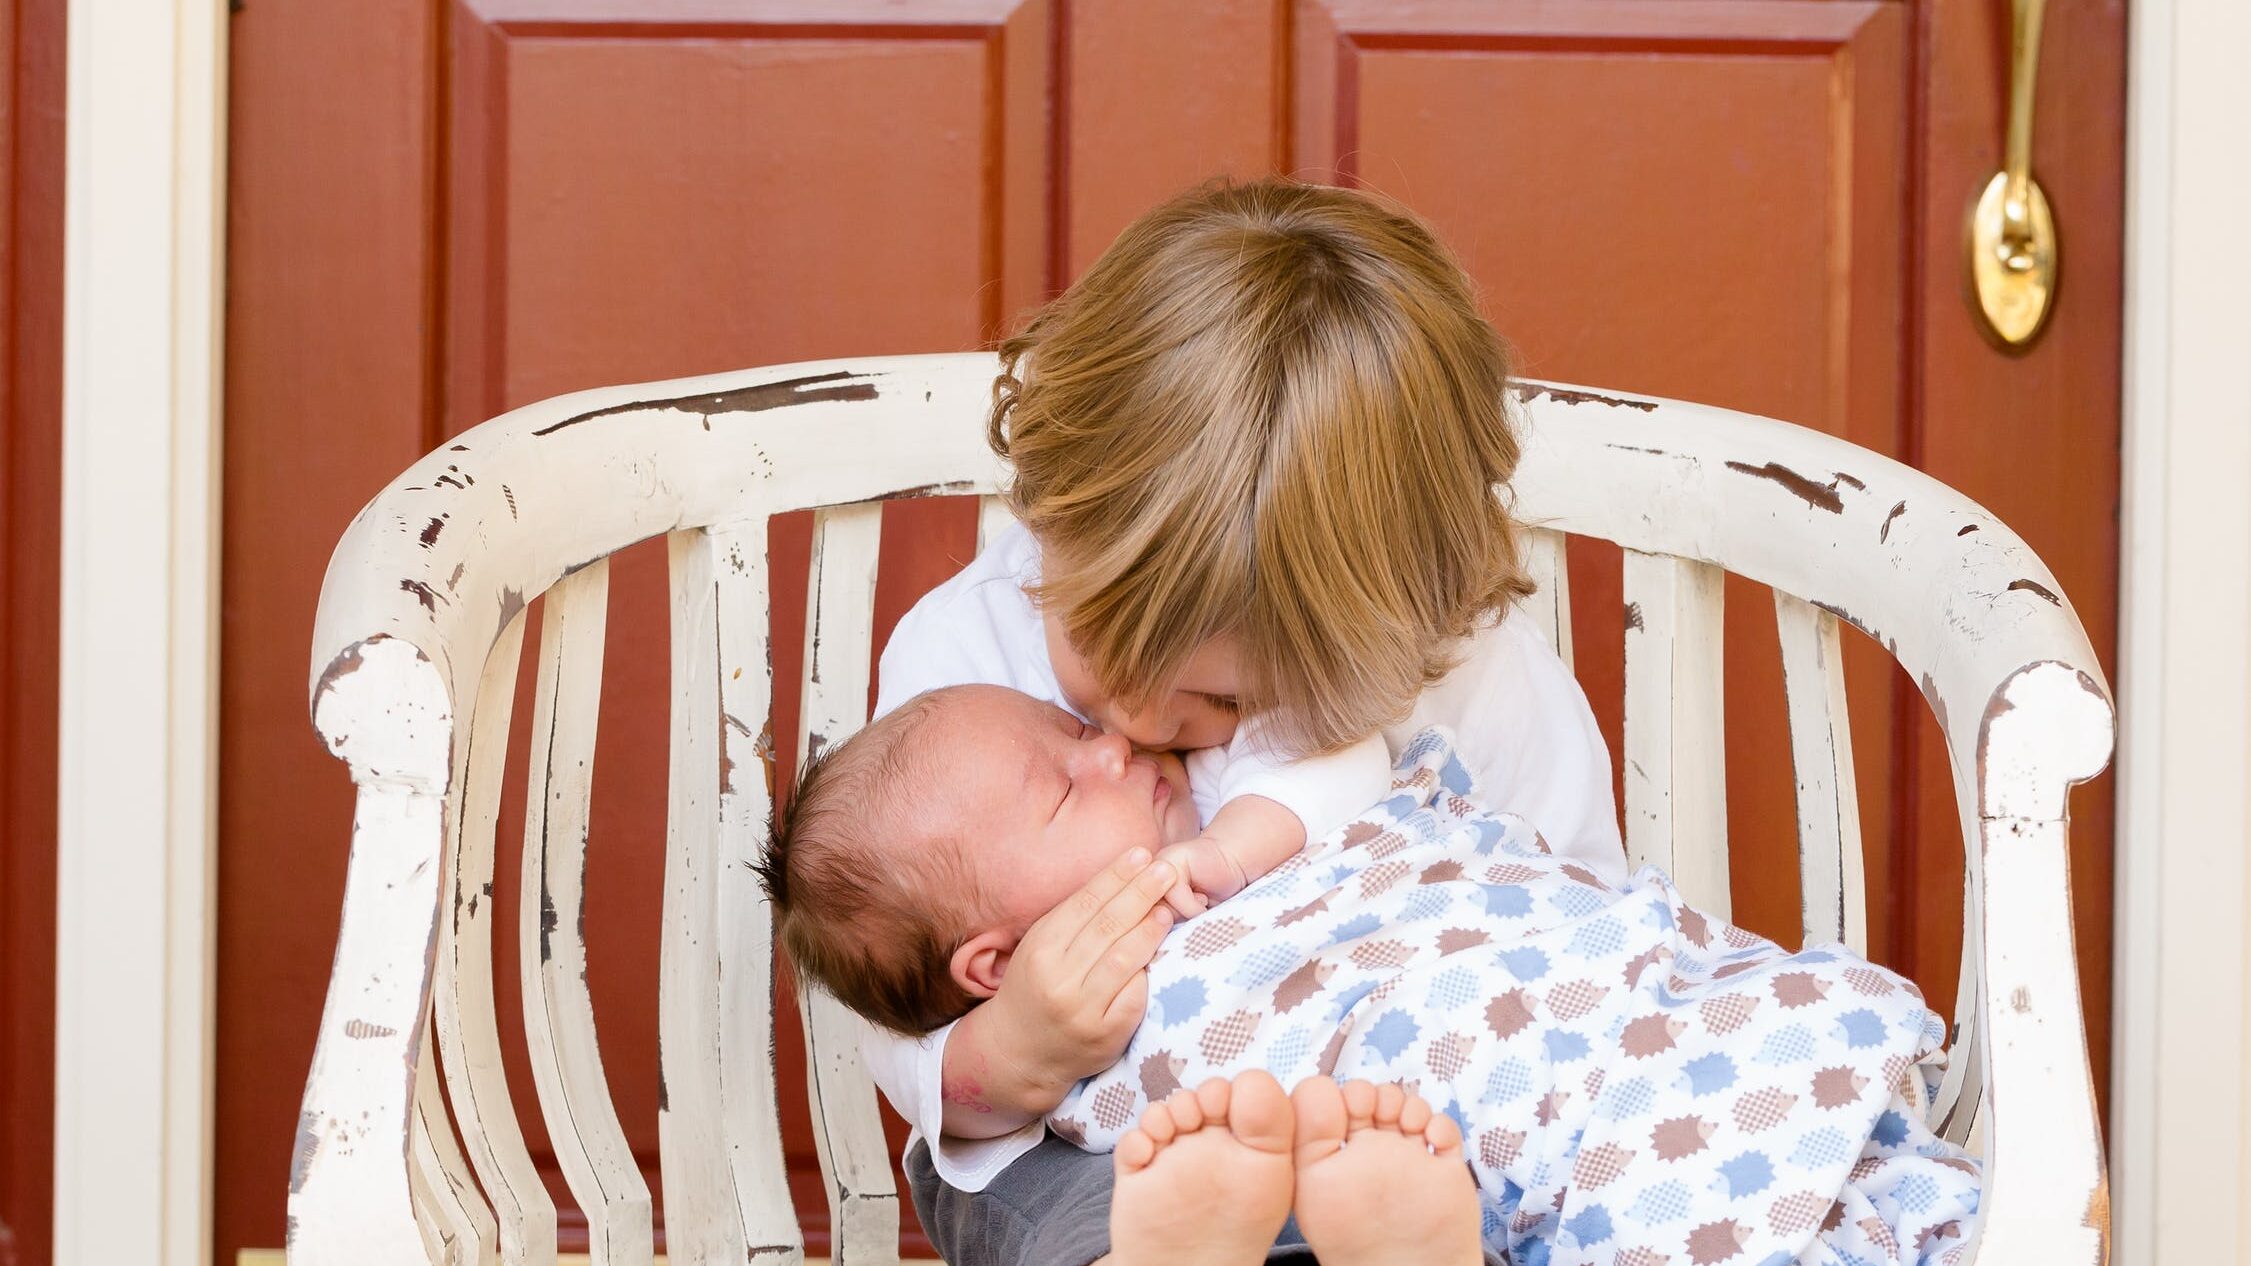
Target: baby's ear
982 960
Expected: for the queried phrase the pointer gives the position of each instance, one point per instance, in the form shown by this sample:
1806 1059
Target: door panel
1751 202
1720 225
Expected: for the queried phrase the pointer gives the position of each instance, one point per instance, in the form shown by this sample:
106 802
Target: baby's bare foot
1205 1180
1381 1179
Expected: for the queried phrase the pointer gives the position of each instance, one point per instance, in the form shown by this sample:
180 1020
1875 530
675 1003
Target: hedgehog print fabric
1637 1084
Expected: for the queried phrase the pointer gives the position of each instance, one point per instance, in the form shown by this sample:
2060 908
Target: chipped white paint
1830 865
382 707
746 924
1550 603
429 576
566 1059
847 1128
1970 613
702 1223
457 1227
1676 749
468 1029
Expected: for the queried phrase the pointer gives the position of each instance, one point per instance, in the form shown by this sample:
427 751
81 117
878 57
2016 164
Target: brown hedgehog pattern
1160 1074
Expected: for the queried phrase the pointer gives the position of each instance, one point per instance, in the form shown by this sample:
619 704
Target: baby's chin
1179 823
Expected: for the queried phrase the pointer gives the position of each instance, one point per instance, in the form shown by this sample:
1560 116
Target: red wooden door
31 301
440 210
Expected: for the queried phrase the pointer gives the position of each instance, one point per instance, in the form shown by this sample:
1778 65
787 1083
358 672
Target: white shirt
1519 719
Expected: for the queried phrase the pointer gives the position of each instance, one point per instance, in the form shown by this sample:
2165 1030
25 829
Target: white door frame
136 797
2181 1073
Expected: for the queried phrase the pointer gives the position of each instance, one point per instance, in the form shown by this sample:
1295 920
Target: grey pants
1050 1207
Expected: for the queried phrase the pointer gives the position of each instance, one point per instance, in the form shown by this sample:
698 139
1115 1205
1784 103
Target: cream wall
2181 1093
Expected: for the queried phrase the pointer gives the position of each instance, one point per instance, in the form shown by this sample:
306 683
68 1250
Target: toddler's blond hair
1270 410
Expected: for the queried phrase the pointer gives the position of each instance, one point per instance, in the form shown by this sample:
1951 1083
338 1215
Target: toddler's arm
1249 836
1268 807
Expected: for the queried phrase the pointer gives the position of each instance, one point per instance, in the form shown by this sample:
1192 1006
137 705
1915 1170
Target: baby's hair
866 921
1270 410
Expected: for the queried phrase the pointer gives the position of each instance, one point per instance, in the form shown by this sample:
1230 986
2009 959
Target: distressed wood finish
566 1059
413 620
468 1028
746 925
1550 603
702 1222
1973 615
1676 745
1831 881
383 706
847 1128
457 1225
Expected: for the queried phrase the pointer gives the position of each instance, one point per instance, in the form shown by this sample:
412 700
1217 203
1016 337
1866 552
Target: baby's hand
1209 874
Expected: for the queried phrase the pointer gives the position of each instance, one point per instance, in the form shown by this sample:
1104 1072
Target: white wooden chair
416 653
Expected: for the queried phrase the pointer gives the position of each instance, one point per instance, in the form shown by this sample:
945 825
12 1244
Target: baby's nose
1113 751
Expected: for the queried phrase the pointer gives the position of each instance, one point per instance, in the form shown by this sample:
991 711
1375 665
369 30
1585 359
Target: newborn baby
1637 1083
919 852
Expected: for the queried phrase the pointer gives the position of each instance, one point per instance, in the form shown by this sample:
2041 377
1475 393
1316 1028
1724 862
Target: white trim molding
136 808
2181 1079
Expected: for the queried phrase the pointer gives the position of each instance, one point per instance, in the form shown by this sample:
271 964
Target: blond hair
1269 411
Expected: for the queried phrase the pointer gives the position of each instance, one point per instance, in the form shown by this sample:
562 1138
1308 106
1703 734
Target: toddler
1260 454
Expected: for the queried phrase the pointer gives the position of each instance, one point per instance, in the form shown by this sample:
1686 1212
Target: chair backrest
408 1143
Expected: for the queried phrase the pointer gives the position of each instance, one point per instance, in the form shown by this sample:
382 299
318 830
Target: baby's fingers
1186 902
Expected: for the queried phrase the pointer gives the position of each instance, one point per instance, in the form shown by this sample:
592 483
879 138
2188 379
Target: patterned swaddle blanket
1637 1084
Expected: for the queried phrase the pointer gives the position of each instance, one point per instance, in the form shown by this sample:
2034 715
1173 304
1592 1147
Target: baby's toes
1390 1099
1212 1098
1134 1152
1359 1105
1443 1135
1186 1112
1157 1123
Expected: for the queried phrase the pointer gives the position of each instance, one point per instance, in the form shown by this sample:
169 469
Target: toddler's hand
1209 874
1077 984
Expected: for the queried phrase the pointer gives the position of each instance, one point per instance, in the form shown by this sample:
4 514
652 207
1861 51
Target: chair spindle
1676 751
702 1221
468 1026
1550 604
839 625
1832 881
566 1060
